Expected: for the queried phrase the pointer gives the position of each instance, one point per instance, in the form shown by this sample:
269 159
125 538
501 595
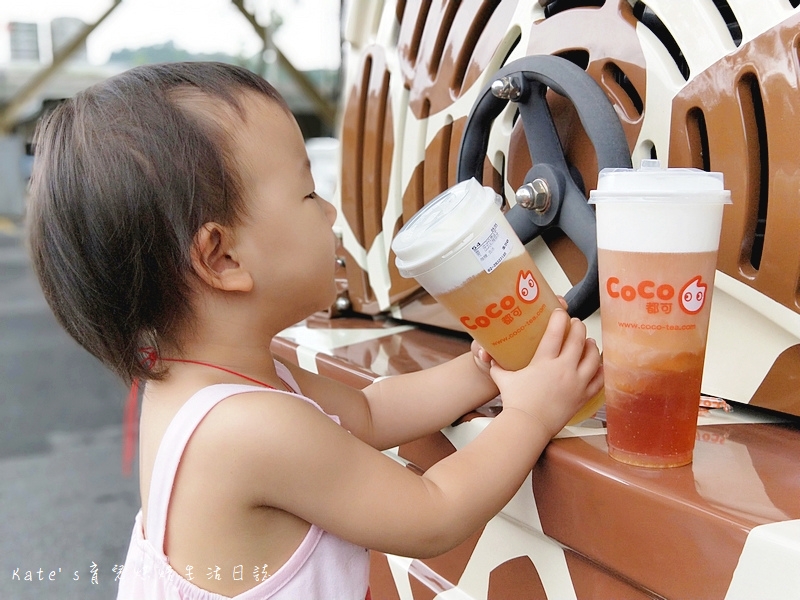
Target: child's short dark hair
125 173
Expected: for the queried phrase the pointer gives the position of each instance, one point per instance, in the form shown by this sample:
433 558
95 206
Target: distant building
31 52
25 50
24 40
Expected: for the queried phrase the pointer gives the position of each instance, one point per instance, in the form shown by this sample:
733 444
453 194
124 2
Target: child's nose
330 210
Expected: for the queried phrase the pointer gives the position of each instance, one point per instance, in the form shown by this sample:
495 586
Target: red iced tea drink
655 308
657 237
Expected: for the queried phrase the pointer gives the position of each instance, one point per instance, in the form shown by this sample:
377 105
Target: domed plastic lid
444 226
651 183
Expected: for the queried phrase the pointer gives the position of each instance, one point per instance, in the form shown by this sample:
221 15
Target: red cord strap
130 422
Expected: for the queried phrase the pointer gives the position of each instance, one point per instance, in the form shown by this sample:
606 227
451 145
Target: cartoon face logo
527 288
693 296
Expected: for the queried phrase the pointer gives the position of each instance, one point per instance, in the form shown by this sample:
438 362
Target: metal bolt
534 195
506 88
342 303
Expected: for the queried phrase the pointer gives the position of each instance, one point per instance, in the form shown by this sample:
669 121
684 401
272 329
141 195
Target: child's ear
215 261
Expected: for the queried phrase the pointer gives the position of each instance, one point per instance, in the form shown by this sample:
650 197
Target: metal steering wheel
549 196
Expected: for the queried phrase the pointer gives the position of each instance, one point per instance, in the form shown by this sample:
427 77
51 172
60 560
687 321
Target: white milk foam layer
658 227
651 209
434 246
463 265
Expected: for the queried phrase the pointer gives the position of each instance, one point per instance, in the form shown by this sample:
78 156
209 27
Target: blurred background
66 511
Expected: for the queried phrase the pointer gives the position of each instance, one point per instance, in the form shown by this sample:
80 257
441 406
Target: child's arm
406 407
290 456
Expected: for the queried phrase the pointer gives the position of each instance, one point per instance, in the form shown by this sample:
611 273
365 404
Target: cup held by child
463 251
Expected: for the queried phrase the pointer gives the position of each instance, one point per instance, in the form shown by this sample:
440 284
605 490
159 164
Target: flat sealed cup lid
651 183
443 226
651 209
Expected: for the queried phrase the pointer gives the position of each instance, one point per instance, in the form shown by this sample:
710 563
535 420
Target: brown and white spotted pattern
705 88
584 525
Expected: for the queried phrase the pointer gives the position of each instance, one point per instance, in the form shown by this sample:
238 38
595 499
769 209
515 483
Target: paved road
64 504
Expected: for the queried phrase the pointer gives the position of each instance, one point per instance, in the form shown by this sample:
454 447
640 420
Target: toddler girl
173 210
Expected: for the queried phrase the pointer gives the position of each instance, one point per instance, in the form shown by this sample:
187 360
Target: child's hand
562 376
482 358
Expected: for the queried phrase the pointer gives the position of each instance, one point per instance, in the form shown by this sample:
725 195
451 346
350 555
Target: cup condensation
657 236
463 251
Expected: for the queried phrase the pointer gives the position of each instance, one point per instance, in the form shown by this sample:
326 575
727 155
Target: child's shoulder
257 417
251 435
251 408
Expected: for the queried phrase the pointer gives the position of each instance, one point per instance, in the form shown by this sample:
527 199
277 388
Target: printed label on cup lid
492 247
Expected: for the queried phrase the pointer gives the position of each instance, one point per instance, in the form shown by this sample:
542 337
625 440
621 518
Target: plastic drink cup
657 236
463 251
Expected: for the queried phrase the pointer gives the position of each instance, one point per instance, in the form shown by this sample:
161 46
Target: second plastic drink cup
657 236
463 251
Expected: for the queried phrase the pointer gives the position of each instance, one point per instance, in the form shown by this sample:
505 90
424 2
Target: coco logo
691 299
527 287
527 292
693 296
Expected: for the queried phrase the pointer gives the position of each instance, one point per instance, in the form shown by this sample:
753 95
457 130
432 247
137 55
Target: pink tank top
323 566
